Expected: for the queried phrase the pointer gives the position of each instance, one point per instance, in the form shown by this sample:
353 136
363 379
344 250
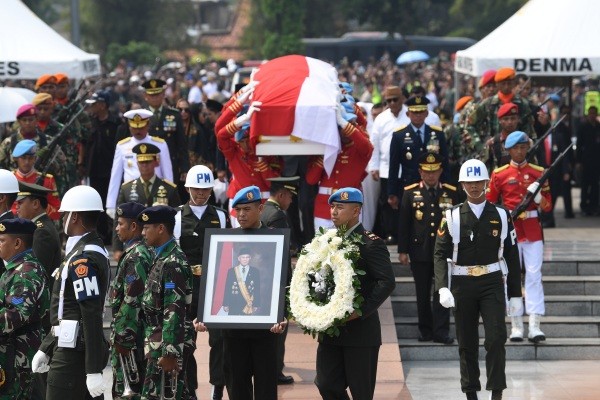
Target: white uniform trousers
532 256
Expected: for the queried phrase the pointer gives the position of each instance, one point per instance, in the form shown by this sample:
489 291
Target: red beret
26 110
44 79
487 77
504 74
507 109
60 78
462 102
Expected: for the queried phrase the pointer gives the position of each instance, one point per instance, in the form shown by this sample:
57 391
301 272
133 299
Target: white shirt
477 208
195 95
125 168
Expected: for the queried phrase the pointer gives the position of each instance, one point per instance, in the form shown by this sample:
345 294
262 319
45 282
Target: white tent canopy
544 38
30 48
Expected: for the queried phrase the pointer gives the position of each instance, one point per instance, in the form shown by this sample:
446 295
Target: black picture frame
223 303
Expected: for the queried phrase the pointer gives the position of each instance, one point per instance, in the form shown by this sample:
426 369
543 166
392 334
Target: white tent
30 48
544 38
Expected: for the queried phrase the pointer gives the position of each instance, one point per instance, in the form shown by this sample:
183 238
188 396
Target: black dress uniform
420 214
46 243
84 293
479 295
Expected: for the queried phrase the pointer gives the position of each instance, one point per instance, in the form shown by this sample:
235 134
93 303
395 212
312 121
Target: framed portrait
244 278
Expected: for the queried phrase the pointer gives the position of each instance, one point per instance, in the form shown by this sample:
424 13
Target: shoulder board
414 185
125 183
124 140
435 127
536 167
502 168
447 186
157 139
400 128
371 235
49 176
39 224
168 182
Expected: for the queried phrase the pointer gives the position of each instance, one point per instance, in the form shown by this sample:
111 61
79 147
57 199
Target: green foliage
477 18
140 53
46 10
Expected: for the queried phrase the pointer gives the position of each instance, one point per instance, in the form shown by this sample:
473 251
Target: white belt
55 330
475 270
528 214
326 190
265 195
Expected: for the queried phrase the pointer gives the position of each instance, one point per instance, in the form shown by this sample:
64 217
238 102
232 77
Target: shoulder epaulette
39 224
49 176
436 128
400 128
124 140
125 183
536 167
502 168
447 186
168 182
414 185
157 139
371 235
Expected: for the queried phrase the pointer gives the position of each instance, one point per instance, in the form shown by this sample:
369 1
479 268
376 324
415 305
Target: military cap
286 182
430 162
487 78
244 250
32 190
347 87
214 105
462 102
17 226
417 103
243 132
146 151
130 210
154 86
60 78
138 118
44 80
100 95
507 109
26 110
346 195
515 138
157 215
249 194
24 147
504 74
41 98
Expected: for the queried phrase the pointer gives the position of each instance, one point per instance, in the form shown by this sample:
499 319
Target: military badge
344 196
81 271
430 158
249 196
495 232
145 217
409 156
119 211
2 228
418 215
143 148
153 84
39 224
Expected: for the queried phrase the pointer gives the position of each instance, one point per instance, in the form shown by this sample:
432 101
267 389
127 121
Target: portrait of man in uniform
242 288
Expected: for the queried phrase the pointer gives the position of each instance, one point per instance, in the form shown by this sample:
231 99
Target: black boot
471 395
496 394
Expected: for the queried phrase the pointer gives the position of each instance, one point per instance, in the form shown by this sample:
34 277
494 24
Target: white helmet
472 171
8 182
81 198
200 177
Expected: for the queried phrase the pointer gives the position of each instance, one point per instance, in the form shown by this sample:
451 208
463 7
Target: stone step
405 306
553 285
551 349
553 327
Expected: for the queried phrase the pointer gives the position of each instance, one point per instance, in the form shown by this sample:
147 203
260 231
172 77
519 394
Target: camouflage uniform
25 299
484 119
168 332
125 299
66 163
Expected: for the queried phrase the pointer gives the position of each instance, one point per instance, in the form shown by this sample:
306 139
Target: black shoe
285 379
425 338
445 340
217 393
471 395
496 395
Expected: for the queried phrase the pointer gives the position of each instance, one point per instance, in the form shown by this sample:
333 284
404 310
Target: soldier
24 302
458 137
190 222
421 211
32 201
166 123
76 340
487 84
126 291
124 167
408 143
9 187
475 248
167 296
508 117
24 155
511 183
46 84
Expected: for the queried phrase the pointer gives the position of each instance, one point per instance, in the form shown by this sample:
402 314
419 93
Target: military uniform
162 192
46 243
69 145
49 183
484 119
8 145
24 302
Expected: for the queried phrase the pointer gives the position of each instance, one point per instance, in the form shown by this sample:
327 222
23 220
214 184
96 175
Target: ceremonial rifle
66 112
531 151
539 106
529 196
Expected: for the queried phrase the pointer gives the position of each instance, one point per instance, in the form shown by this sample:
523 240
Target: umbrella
412 57
10 101
28 94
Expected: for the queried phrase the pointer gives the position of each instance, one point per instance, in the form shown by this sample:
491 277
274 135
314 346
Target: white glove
39 364
338 116
111 213
515 306
250 85
532 188
242 119
95 384
253 74
446 298
244 97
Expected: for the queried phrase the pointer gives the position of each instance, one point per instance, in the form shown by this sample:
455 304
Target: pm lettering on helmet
203 177
474 171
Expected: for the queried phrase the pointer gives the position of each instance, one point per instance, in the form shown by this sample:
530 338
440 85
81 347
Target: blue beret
17 226
346 195
515 138
243 132
130 210
246 195
347 87
157 215
26 146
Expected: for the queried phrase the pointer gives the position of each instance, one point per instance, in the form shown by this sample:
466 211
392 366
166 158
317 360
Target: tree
477 18
46 10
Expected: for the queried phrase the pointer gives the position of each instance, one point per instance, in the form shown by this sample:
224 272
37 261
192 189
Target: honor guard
9 187
24 302
126 291
75 352
166 298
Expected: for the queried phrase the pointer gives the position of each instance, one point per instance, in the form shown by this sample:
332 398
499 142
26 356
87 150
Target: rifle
45 160
559 91
531 151
66 112
529 196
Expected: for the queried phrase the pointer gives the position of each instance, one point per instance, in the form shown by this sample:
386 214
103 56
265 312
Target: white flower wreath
327 265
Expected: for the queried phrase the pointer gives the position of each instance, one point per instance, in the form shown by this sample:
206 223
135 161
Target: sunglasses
392 100
183 109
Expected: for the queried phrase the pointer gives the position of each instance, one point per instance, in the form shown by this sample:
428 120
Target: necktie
243 270
147 190
432 193
421 135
